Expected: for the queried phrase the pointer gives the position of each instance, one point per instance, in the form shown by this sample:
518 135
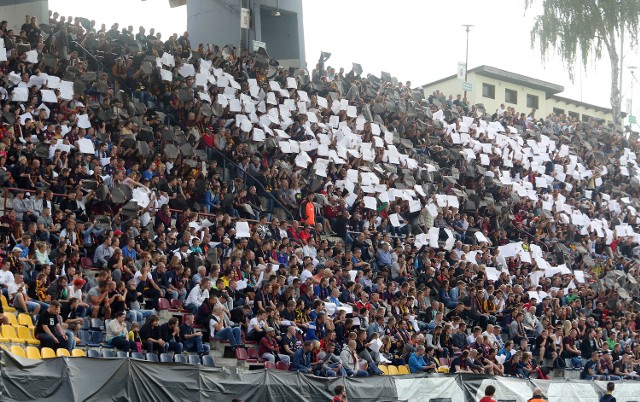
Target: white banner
462 70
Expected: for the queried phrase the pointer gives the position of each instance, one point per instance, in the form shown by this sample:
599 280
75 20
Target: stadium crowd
340 221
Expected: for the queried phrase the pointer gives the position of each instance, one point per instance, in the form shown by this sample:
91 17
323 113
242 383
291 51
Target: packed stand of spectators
340 221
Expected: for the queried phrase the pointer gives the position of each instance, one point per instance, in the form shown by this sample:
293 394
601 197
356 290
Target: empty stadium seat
62 352
163 304
208 361
26 320
86 339
86 263
137 356
282 366
179 358
25 335
384 369
122 354
108 354
269 365
78 353
403 370
193 359
176 305
33 353
241 354
13 321
93 353
18 351
5 305
47 353
254 356
97 324
9 332
166 357
152 357
393 370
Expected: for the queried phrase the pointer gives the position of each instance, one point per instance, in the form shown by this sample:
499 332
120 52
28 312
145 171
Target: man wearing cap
269 348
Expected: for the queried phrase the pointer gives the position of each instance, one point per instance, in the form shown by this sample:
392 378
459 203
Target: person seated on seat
117 333
48 328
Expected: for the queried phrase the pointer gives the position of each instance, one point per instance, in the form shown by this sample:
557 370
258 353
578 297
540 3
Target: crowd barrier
87 379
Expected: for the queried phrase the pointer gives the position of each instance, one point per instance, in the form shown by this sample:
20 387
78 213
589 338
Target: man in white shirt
6 278
198 295
306 273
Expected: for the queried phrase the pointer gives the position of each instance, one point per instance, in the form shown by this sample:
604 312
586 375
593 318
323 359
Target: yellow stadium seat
25 334
47 353
5 305
403 370
33 353
9 333
384 369
62 352
18 351
26 320
13 321
393 370
443 370
78 353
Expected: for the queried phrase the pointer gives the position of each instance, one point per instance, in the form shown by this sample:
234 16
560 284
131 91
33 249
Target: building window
574 115
488 90
558 111
510 96
585 118
532 101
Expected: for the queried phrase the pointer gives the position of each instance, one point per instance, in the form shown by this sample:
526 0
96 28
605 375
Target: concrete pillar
14 11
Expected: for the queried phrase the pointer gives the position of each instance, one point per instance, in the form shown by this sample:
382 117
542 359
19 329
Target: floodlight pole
244 32
466 59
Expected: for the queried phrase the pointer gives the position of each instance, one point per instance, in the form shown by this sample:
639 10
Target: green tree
576 29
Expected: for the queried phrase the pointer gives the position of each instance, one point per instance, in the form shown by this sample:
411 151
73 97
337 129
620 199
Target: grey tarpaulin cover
87 379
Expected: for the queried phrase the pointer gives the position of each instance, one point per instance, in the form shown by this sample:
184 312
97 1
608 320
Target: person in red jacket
488 394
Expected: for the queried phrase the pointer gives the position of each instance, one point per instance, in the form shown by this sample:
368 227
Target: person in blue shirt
302 359
417 362
130 250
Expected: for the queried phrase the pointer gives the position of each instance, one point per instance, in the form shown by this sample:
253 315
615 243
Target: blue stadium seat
93 353
152 357
193 359
108 354
179 358
207 360
137 356
166 357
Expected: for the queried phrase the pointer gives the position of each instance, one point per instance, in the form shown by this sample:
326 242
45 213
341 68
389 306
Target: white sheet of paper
48 96
395 220
3 54
86 146
242 229
83 121
32 56
20 94
166 75
370 202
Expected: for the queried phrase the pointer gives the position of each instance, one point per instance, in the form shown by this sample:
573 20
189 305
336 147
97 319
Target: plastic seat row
394 370
19 334
207 360
32 352
276 366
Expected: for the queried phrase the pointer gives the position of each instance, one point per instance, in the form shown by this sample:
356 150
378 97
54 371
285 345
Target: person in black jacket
151 336
170 333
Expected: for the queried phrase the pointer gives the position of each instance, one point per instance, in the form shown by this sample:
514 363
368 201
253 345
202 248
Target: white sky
415 40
